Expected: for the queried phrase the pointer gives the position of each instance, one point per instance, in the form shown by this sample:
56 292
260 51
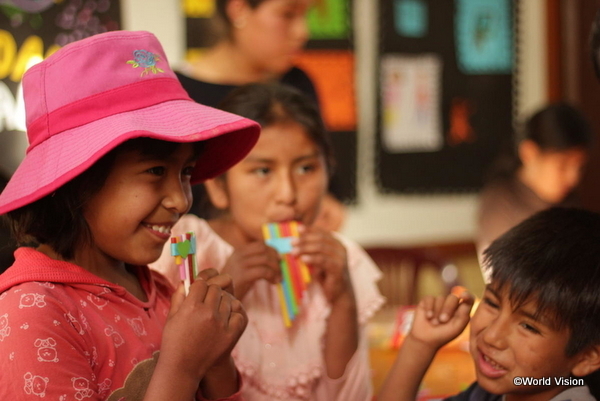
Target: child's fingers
177 299
466 304
448 308
207 274
224 281
438 303
213 298
427 304
238 318
265 260
268 273
198 290
225 305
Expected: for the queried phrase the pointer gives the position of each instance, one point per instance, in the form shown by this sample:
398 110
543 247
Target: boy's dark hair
553 259
275 103
57 219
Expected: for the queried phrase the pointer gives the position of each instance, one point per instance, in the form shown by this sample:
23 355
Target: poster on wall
411 18
483 36
410 98
31 30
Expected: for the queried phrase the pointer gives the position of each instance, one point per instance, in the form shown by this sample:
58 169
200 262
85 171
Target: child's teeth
160 229
491 362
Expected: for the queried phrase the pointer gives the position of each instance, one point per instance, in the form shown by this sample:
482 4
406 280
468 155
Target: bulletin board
328 60
445 92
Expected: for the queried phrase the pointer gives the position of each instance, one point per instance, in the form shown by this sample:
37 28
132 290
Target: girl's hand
328 261
251 262
202 328
212 276
441 319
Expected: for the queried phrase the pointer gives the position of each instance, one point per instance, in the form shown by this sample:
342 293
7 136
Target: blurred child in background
545 172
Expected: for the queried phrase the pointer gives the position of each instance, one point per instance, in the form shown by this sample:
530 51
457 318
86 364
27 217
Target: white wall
163 18
379 218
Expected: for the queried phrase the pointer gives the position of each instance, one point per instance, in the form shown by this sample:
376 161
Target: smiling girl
324 355
107 174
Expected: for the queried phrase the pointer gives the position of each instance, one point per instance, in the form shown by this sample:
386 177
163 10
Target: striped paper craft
294 272
183 248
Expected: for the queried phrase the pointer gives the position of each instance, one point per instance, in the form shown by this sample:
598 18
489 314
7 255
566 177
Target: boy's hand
202 328
251 262
439 320
327 259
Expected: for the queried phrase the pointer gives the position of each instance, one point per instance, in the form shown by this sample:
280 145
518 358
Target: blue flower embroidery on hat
146 60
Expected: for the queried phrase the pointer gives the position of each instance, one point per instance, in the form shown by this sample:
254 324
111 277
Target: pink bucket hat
94 94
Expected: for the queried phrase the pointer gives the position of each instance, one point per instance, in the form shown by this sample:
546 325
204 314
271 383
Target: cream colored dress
277 363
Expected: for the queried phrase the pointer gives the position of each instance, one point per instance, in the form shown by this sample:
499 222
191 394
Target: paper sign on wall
410 98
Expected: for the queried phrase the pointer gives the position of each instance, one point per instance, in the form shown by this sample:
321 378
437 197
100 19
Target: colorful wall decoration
466 93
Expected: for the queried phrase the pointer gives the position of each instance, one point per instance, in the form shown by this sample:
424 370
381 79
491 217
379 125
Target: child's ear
589 361
217 192
528 151
237 12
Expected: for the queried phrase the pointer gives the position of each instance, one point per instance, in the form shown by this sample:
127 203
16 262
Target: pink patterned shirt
66 334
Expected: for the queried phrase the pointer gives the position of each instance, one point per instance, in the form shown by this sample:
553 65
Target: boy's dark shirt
477 393
211 94
474 393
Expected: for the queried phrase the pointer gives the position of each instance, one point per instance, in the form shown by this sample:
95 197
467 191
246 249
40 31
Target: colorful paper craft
183 248
295 273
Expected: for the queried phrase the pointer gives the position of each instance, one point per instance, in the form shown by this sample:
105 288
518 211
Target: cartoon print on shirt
47 351
75 323
138 326
116 337
82 388
94 359
97 300
35 385
104 387
30 300
4 327
47 285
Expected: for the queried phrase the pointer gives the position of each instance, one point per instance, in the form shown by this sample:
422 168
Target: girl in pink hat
115 144
323 356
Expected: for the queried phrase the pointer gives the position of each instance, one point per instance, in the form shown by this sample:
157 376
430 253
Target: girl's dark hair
559 127
57 219
275 103
556 127
553 259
